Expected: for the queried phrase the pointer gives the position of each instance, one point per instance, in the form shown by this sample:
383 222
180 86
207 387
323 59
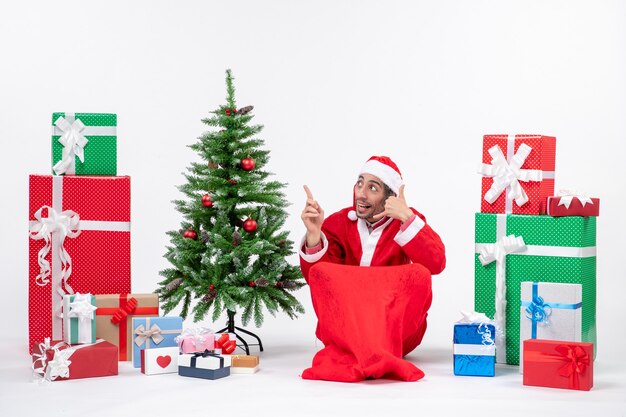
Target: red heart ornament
163 361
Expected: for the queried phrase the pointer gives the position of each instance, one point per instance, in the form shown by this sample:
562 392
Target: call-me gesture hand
396 207
312 216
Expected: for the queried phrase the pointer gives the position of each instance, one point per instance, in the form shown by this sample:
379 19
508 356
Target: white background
333 82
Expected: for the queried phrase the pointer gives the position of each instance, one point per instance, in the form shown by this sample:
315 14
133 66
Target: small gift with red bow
558 364
196 339
154 332
56 360
225 343
572 203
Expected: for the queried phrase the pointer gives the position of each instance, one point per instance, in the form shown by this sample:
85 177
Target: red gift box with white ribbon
518 173
79 242
572 203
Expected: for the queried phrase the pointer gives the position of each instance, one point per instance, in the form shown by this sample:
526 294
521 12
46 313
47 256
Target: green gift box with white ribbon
79 318
514 248
84 144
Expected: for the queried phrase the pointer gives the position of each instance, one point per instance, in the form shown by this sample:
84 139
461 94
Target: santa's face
369 196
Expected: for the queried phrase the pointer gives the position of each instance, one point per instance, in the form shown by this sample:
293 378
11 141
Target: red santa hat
385 169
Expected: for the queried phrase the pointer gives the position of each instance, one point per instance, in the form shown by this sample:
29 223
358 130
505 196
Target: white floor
278 390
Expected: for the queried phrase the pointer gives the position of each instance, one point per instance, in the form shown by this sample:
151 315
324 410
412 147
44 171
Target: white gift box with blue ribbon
550 311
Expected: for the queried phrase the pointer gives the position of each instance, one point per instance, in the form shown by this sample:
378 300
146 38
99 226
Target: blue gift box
202 365
474 349
153 332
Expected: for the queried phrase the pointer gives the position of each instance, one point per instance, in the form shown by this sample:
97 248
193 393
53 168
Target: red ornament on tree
232 181
206 201
279 284
247 164
227 111
211 287
190 234
251 284
249 225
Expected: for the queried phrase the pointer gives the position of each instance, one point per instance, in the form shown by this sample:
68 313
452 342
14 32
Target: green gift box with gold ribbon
84 144
514 248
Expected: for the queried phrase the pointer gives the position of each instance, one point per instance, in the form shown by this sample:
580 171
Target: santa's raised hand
312 216
396 207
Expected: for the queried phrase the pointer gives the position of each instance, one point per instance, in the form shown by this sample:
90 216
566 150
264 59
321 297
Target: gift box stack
535 261
82 319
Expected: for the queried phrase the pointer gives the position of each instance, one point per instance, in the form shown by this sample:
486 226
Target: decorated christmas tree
230 254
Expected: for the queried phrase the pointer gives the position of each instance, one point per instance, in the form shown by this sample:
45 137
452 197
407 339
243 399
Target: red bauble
251 284
206 201
227 112
190 234
247 164
249 225
211 287
233 182
279 284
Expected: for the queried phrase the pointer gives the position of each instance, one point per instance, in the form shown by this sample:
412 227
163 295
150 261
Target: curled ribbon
538 310
497 252
123 312
65 224
58 367
568 195
509 174
144 334
73 143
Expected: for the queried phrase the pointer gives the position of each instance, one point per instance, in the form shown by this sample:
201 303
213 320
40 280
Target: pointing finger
308 192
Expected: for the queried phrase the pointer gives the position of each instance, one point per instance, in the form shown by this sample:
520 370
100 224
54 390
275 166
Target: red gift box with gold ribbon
518 173
79 242
558 364
114 315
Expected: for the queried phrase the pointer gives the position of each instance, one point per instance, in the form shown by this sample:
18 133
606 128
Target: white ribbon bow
66 224
58 367
82 308
473 317
153 333
568 195
198 336
497 252
73 142
508 174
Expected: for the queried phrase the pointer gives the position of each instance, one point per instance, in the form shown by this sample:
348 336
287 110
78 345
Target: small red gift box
572 205
57 360
79 242
518 173
558 364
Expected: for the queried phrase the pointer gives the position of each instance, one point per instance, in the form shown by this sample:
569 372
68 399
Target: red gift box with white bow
572 204
518 173
558 364
79 242
56 360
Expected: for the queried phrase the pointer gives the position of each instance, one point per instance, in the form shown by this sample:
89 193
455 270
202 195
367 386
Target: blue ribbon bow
538 311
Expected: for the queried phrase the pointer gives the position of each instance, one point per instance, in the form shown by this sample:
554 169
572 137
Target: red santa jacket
348 242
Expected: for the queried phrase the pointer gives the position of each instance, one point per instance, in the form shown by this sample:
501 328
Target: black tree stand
231 328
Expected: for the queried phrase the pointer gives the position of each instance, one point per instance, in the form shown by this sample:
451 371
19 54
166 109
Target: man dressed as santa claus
380 229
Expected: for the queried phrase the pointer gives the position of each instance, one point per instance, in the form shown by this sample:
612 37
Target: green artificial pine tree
230 253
